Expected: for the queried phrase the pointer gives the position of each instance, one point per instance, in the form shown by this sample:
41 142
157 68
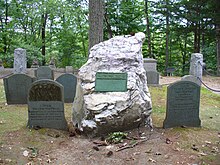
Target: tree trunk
218 48
5 30
43 37
148 29
82 37
96 15
109 30
167 37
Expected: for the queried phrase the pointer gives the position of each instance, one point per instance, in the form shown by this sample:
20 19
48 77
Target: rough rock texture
99 113
20 61
196 65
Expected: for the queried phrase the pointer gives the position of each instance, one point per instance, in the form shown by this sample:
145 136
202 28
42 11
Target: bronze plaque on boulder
111 82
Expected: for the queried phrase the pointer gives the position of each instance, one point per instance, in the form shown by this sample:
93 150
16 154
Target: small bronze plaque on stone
111 82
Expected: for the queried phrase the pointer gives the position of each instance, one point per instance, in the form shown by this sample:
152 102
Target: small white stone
25 153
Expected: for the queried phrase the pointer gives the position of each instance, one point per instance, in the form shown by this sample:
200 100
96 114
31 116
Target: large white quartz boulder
98 113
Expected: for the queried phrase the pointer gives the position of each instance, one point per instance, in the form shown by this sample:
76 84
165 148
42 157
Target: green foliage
116 137
67 29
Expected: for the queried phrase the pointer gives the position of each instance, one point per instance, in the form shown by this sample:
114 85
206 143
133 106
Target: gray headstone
46 105
150 64
191 78
69 69
16 88
44 72
20 61
183 98
196 65
69 83
1 65
153 77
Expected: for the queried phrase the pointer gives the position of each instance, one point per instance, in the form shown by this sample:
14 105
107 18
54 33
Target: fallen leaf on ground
194 147
203 154
109 153
95 148
168 141
151 160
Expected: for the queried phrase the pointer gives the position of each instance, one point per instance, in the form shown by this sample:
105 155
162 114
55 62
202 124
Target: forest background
59 29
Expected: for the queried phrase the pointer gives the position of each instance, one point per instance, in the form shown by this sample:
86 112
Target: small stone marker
20 61
183 98
152 77
111 82
44 72
191 78
16 88
69 83
46 105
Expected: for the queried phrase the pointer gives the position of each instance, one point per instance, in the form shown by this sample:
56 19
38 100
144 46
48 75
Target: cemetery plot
69 83
16 88
46 105
183 100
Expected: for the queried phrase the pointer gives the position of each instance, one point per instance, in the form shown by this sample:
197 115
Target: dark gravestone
46 105
183 98
152 77
111 82
16 88
44 72
69 83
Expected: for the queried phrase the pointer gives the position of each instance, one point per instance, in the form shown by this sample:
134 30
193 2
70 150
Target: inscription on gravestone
16 88
183 100
46 105
111 82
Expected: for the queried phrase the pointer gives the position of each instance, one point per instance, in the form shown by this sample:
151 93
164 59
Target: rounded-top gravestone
46 105
69 83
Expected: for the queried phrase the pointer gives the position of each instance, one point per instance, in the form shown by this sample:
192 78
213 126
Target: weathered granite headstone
16 88
196 65
1 65
20 61
44 72
46 105
191 78
183 98
153 77
98 109
150 64
69 69
69 83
